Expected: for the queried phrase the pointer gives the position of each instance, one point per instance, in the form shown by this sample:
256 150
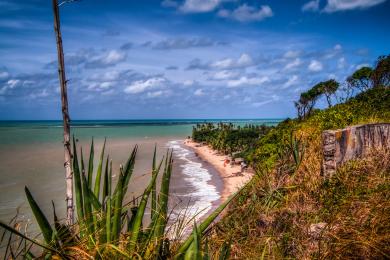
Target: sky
161 59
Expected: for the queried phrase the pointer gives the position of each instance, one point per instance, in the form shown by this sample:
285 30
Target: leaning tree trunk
65 117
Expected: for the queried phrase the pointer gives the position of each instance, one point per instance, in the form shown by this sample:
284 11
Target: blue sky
182 58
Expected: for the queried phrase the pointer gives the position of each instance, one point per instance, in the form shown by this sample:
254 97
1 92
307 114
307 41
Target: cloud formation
315 66
340 5
246 13
311 6
185 43
245 60
143 85
199 6
343 5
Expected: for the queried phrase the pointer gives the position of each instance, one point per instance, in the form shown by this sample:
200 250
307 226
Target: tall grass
106 226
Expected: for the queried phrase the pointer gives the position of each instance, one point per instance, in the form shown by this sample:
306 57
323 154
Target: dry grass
296 214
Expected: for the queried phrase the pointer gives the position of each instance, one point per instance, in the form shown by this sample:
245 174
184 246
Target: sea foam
194 172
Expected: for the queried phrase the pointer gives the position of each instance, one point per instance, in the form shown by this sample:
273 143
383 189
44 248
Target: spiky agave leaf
204 225
43 223
16 232
64 234
108 207
120 190
90 165
161 219
154 193
77 186
98 177
141 211
106 181
194 252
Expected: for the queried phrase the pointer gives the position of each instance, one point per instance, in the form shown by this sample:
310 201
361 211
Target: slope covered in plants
290 211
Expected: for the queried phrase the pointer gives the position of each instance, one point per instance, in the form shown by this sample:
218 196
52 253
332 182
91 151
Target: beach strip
232 176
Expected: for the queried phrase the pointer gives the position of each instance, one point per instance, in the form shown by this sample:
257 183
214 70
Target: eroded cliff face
342 145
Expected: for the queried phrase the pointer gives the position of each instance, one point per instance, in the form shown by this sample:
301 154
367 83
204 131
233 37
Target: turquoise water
31 154
37 132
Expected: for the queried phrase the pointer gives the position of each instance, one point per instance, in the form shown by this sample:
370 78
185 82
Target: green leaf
90 165
14 231
204 225
63 232
153 210
161 219
43 223
194 253
140 213
77 182
106 181
99 172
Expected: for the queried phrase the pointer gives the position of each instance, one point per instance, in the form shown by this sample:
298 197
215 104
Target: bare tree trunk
65 117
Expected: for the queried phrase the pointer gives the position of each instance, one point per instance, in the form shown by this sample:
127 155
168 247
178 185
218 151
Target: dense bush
229 138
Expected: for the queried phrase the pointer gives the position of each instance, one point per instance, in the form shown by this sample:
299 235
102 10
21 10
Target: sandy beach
230 174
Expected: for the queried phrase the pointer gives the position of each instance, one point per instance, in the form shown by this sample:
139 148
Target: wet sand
230 174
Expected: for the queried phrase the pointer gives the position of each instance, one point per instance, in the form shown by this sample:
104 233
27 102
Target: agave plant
296 147
108 227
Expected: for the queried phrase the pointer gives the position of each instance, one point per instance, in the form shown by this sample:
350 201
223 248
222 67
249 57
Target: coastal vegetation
289 210
229 138
107 226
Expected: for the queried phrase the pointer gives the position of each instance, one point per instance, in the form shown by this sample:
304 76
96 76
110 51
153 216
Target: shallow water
31 154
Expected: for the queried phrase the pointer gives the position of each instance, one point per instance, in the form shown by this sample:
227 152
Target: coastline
231 180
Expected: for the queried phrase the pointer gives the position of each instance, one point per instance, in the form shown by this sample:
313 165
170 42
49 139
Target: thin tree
65 116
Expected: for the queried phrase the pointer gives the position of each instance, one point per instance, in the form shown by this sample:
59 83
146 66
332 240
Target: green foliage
361 78
228 138
374 103
104 228
301 216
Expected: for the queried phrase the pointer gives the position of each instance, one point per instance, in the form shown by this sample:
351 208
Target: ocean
31 154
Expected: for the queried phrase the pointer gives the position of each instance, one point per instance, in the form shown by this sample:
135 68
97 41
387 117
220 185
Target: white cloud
259 104
109 58
199 6
359 66
341 63
269 100
189 82
337 47
246 13
140 86
101 86
315 66
245 81
343 5
245 60
4 74
291 54
224 75
223 64
311 6
291 81
199 92
155 94
42 94
295 63
12 83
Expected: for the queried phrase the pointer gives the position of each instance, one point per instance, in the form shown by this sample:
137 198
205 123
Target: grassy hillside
290 211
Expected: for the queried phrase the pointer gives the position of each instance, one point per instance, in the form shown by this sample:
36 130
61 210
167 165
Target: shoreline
231 180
